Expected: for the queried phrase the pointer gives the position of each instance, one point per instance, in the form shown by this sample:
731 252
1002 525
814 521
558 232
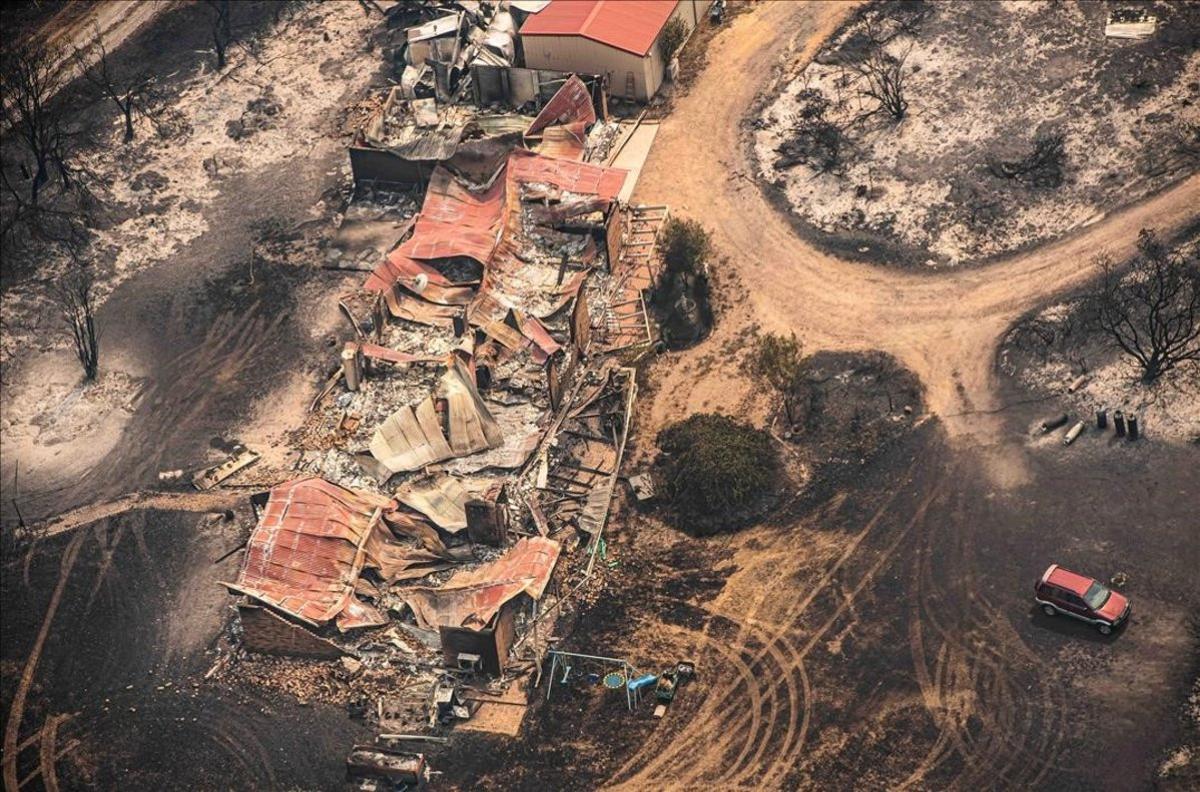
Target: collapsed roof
471 598
308 550
507 224
412 438
312 543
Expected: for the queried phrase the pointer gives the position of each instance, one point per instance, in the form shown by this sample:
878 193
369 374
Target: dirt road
944 327
894 646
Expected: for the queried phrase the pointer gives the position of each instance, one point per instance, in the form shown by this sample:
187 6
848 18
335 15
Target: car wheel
1049 610
1104 629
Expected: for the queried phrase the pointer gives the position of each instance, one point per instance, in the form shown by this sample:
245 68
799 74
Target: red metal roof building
615 38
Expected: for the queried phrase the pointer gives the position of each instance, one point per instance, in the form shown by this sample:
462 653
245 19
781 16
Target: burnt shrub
815 140
715 473
1042 167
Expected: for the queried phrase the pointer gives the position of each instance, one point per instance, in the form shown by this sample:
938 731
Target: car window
1096 596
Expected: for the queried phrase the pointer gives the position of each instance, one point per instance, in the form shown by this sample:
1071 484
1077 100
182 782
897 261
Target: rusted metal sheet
435 239
307 550
457 222
569 175
543 344
472 427
377 352
571 104
565 142
421 279
413 309
471 598
581 326
447 200
411 438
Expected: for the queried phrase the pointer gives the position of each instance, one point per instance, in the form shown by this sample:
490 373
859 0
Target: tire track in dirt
656 752
944 328
16 712
1019 736
187 392
722 722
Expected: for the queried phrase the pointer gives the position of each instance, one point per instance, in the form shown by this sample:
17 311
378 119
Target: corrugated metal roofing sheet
411 438
471 598
571 104
629 25
308 549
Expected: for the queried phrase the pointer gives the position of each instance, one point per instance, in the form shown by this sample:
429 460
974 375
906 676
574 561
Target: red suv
1060 591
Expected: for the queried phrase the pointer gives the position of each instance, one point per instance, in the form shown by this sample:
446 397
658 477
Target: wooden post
352 365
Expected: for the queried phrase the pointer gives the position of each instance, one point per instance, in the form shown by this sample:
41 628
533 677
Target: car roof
1071 581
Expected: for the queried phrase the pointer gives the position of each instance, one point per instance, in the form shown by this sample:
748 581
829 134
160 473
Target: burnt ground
216 338
210 340
206 332
879 635
923 192
897 641
136 629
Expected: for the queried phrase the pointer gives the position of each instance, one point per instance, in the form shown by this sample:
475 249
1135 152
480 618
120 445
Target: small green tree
778 362
674 34
714 468
685 245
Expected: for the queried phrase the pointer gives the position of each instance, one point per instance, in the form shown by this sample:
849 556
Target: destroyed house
532 227
474 611
478 404
307 559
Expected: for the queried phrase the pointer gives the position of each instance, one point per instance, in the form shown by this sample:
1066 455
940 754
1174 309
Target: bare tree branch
29 80
132 92
76 298
1152 311
883 74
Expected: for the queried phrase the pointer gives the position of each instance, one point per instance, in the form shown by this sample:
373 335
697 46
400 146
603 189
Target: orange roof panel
629 25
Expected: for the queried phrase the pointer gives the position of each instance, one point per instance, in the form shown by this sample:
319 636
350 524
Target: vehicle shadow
1073 628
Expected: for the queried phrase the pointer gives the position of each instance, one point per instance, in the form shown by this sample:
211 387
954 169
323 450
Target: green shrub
685 246
778 363
714 471
674 34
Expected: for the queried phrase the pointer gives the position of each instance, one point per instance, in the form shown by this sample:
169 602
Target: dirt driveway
896 646
943 327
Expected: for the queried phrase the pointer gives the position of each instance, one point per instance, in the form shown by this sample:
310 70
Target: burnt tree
1151 311
30 77
1042 167
76 298
883 75
131 91
37 151
221 28
815 140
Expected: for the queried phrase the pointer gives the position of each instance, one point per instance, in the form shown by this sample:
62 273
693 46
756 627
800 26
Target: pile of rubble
482 400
